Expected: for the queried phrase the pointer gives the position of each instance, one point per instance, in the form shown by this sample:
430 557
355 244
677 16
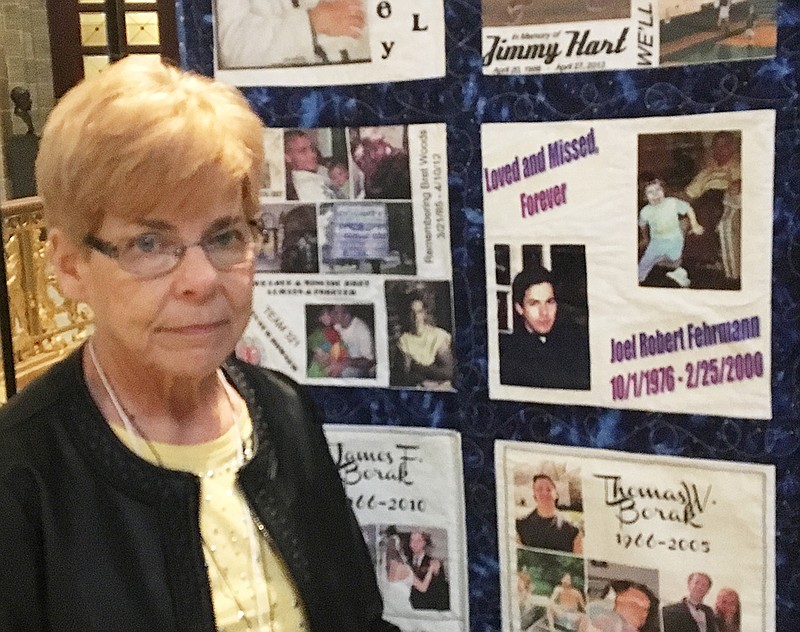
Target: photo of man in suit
437 593
690 614
548 348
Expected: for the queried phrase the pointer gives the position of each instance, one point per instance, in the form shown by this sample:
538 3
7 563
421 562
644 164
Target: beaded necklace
243 453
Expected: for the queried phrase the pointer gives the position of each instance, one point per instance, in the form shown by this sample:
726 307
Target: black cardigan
94 538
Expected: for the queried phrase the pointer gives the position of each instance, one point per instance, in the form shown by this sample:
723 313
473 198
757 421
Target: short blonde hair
135 134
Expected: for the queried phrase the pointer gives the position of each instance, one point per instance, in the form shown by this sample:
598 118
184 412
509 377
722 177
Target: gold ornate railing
45 326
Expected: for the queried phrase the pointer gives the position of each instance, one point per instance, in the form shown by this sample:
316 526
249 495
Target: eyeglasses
156 253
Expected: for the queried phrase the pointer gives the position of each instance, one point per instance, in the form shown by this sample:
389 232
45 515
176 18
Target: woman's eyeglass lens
154 254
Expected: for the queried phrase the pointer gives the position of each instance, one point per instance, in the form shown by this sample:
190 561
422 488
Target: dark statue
21 98
21 149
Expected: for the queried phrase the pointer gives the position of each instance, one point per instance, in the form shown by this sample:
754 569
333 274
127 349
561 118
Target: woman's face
727 604
187 321
418 315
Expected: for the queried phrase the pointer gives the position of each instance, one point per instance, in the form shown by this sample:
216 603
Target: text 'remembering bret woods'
431 173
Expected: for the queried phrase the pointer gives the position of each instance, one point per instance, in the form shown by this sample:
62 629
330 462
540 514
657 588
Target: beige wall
24 61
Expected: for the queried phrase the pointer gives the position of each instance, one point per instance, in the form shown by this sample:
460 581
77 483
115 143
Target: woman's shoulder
273 398
261 381
442 335
33 420
44 396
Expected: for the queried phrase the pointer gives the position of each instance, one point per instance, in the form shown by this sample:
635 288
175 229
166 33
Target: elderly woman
149 481
728 611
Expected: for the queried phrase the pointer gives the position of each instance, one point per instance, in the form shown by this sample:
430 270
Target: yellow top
424 345
228 529
716 176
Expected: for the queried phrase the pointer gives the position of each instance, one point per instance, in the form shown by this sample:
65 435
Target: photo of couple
411 570
340 341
